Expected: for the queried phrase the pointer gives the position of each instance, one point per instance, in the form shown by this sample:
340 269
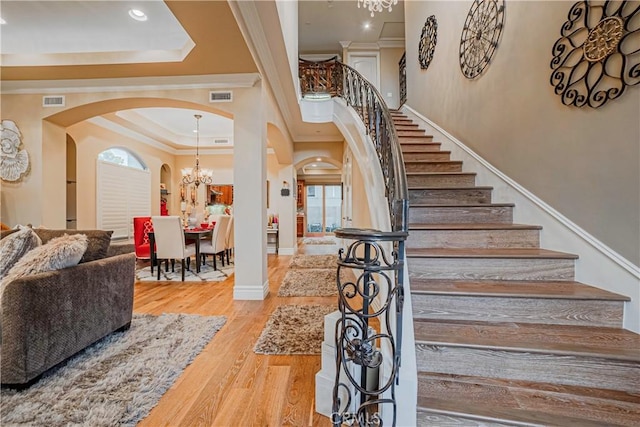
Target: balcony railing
369 332
402 68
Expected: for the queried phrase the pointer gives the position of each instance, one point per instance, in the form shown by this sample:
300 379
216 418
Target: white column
287 212
249 195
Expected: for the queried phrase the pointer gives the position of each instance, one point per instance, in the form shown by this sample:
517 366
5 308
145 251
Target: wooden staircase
504 335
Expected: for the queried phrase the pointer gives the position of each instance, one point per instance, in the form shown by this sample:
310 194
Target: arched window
122 157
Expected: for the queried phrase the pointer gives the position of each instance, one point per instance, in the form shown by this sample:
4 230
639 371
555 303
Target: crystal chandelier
377 5
196 175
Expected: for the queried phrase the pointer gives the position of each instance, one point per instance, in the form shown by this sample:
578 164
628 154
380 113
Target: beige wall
40 198
389 76
583 162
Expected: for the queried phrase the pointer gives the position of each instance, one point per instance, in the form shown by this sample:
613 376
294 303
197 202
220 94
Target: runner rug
118 380
314 261
294 329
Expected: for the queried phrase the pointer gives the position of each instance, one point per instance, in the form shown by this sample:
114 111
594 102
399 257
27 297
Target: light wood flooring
228 384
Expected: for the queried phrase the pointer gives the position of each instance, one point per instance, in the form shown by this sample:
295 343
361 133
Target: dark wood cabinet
300 194
300 226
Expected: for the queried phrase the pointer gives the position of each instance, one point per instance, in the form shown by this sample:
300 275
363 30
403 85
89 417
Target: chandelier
196 175
377 5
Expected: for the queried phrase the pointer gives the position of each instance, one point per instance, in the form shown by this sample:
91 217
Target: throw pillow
15 246
99 241
59 252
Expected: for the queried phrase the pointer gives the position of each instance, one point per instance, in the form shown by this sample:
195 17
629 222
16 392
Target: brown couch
48 317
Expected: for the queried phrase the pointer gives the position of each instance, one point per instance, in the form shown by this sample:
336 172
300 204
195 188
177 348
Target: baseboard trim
583 234
247 292
287 251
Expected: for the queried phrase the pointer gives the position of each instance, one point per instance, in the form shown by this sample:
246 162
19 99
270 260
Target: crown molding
208 81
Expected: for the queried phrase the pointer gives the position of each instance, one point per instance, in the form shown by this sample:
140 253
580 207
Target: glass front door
324 205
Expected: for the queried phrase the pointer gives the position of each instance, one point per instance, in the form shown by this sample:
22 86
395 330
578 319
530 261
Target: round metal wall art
480 36
428 41
598 55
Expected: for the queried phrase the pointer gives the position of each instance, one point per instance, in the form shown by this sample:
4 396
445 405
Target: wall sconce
285 189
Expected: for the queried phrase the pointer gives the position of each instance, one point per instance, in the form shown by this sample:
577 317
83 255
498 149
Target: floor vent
220 96
53 101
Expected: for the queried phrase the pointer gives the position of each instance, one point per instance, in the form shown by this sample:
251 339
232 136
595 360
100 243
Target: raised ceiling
63 43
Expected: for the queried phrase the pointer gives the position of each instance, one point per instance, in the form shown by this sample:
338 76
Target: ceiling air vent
53 101
220 141
220 96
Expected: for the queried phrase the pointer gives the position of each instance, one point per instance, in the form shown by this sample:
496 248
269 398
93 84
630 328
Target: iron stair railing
376 296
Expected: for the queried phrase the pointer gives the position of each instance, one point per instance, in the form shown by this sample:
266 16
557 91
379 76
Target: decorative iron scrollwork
371 319
598 55
428 41
480 36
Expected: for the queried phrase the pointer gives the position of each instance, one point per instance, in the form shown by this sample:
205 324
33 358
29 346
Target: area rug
314 261
294 329
313 282
207 273
320 241
117 381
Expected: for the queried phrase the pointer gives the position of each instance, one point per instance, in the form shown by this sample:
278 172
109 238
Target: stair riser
406 126
553 402
420 146
410 138
432 156
416 132
468 196
489 239
462 214
466 180
431 419
565 369
521 310
491 268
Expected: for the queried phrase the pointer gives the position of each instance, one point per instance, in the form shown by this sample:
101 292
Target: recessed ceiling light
313 165
318 159
138 15
366 25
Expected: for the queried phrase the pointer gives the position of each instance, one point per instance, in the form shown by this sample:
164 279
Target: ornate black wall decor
428 41
480 36
598 55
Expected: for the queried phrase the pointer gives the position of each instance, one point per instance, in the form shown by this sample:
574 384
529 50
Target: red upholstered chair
142 225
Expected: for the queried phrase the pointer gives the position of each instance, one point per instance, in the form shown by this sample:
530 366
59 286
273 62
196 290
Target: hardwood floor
228 384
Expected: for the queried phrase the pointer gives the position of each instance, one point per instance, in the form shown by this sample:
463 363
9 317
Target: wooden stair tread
513 289
488 253
411 137
475 187
440 173
453 205
496 414
417 143
594 341
474 226
573 390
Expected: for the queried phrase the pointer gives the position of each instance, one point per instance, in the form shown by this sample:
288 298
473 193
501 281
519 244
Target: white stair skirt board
598 264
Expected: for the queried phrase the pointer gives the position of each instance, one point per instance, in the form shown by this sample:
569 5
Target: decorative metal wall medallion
428 41
14 162
480 36
598 55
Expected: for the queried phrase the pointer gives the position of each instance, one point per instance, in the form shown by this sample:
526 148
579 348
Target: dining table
195 234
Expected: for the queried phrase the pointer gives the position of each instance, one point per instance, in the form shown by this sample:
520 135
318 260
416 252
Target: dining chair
217 245
230 240
142 226
170 245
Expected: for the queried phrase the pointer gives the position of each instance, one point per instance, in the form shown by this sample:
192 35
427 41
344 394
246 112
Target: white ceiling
101 32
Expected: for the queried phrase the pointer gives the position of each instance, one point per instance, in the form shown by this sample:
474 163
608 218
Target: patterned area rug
314 261
118 380
294 329
327 240
207 273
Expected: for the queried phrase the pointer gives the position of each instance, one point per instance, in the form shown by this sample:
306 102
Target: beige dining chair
170 245
230 240
217 245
